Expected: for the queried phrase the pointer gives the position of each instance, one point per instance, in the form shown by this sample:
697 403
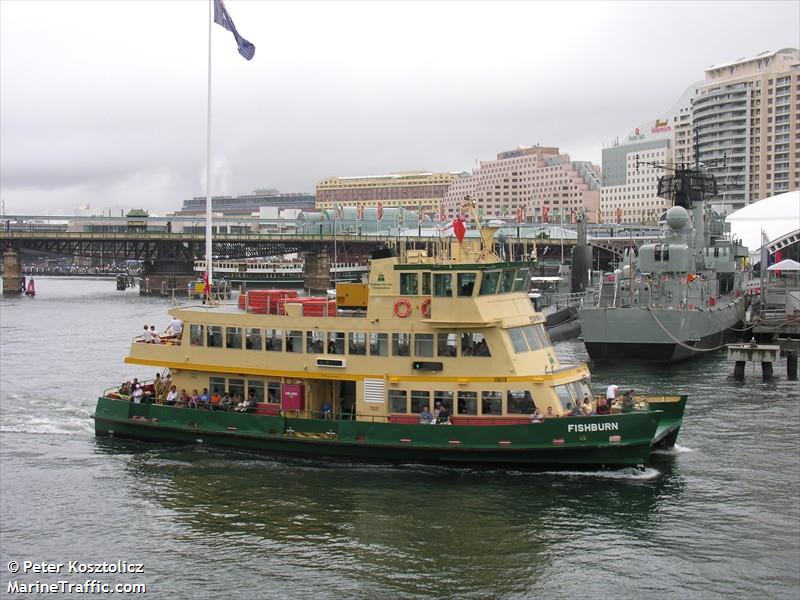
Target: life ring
712 301
426 308
402 308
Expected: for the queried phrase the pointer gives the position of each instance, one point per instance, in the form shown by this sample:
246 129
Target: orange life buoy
426 308
402 308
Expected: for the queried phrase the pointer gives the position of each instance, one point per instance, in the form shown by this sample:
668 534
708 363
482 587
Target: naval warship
682 296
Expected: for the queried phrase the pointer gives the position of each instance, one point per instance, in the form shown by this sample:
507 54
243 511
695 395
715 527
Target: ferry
439 358
267 273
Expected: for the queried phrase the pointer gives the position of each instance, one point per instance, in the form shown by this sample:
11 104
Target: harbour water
717 517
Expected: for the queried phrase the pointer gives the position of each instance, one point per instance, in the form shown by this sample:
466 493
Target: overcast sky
104 103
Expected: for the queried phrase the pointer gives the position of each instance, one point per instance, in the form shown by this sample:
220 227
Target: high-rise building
417 190
533 183
631 168
744 116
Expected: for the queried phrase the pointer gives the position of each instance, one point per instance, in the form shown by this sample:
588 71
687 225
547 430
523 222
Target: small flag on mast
221 17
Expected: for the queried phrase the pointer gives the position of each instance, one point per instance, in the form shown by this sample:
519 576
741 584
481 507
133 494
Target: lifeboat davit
31 291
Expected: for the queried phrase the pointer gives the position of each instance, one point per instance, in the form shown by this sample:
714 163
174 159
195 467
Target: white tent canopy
785 265
776 216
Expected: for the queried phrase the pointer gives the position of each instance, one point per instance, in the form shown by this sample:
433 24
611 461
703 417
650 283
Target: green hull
571 442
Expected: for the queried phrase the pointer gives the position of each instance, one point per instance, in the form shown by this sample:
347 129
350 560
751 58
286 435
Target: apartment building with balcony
744 117
536 183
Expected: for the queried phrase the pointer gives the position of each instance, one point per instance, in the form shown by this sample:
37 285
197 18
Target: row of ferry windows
501 281
260 389
518 402
424 345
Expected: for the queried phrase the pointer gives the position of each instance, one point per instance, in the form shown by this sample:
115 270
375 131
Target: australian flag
221 17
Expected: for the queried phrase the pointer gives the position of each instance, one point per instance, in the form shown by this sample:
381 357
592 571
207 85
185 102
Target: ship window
489 283
423 344
544 337
233 337
665 255
491 403
214 337
442 284
562 391
446 345
335 342
401 344
506 281
216 385
379 344
466 283
426 284
420 399
256 387
536 337
520 402
657 252
408 284
522 280
517 339
252 339
357 343
294 341
273 392
440 398
474 344
315 342
273 340
196 335
468 403
236 386
398 401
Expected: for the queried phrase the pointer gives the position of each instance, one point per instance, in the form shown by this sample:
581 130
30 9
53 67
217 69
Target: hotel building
539 181
413 190
631 169
745 117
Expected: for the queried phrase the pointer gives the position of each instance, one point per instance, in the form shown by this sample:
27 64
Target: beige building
539 181
745 117
413 190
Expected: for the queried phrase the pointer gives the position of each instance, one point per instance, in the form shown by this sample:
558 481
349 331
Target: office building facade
413 190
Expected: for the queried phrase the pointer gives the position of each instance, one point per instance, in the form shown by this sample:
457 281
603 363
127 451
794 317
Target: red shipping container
293 396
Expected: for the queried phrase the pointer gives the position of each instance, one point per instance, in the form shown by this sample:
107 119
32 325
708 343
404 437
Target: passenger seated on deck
577 410
225 403
193 399
147 337
444 415
327 410
628 401
603 407
125 389
550 414
172 396
425 416
587 405
154 337
537 416
215 400
202 400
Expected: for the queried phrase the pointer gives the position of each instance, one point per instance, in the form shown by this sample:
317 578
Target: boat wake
674 451
628 474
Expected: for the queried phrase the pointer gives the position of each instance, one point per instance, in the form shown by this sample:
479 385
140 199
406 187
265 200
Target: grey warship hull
661 335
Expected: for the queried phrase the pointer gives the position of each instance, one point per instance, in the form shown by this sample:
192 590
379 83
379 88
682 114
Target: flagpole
209 267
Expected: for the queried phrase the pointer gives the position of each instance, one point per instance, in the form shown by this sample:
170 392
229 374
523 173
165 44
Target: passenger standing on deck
172 396
154 337
175 327
611 394
147 336
137 393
